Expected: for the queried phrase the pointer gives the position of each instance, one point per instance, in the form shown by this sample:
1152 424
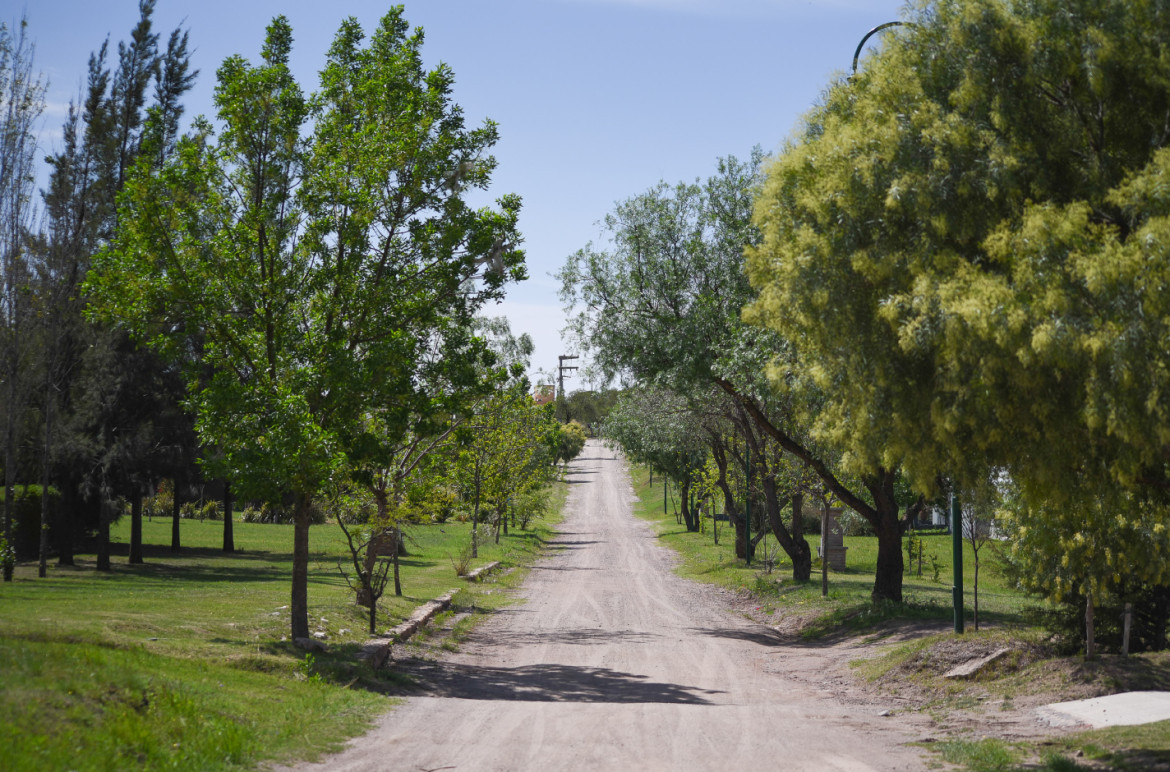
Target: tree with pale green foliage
571 441
319 269
967 245
661 302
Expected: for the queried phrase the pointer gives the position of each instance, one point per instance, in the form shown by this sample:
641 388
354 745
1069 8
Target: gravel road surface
612 662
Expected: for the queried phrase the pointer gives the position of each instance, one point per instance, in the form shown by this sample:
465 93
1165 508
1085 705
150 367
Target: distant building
544 394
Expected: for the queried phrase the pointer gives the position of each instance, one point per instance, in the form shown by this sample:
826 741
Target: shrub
852 524
26 526
462 561
531 506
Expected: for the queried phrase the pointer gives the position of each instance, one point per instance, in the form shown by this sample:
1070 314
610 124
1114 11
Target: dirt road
614 663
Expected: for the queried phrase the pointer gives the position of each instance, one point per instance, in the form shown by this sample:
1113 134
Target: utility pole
562 368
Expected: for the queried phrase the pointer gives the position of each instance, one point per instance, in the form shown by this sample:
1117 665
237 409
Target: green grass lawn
848 602
184 662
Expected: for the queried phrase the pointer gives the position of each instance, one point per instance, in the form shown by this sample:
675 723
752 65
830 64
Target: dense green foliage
966 246
662 303
324 277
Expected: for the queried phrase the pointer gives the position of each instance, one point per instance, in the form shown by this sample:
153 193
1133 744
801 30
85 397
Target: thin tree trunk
43 547
1127 621
136 529
475 524
299 604
229 541
824 552
976 591
9 559
1090 632
688 516
397 549
175 505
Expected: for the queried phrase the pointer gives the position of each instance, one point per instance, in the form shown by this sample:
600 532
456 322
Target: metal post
957 558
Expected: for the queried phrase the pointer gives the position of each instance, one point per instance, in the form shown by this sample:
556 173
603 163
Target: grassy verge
848 604
1122 748
1028 672
184 661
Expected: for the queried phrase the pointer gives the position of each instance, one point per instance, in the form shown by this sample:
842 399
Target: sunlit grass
184 662
848 603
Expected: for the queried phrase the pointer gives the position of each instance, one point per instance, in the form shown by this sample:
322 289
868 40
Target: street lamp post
956 509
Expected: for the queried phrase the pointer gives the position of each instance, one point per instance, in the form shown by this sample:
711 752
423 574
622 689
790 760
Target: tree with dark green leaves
111 413
320 269
22 99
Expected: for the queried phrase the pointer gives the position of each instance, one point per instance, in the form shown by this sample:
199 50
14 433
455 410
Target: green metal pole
665 484
957 558
747 542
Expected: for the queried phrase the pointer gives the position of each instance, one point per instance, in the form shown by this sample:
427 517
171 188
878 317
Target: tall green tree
663 304
22 99
318 269
111 410
966 241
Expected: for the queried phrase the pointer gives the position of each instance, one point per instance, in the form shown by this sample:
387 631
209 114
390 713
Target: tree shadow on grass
548 683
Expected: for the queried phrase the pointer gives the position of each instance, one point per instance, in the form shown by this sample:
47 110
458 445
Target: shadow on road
761 635
548 683
558 544
581 636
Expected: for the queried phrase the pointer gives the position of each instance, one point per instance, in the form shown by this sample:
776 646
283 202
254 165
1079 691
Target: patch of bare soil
1000 701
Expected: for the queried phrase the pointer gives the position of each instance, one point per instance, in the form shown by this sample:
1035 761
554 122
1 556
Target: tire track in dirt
613 662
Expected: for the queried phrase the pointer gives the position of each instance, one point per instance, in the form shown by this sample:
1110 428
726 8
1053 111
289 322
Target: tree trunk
793 543
1090 632
136 529
43 547
229 539
299 605
687 513
883 517
977 592
397 549
824 552
9 558
103 555
175 504
475 528
729 505
802 552
887 583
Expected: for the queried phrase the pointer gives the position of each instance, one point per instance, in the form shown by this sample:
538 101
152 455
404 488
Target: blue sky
596 100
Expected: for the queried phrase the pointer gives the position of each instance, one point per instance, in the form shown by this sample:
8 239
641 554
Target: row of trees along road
284 298
88 413
958 273
663 305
